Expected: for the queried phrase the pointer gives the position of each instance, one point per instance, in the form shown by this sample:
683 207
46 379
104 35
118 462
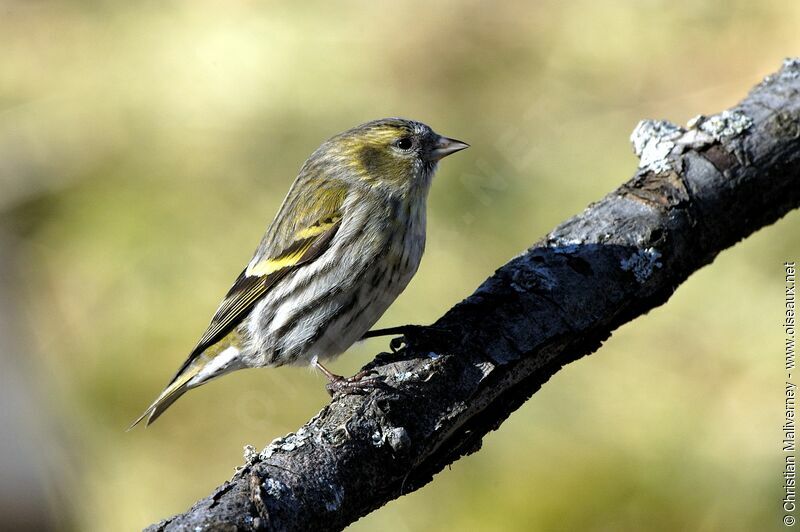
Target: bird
344 244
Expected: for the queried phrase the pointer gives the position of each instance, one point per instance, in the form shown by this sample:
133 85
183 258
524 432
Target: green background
144 147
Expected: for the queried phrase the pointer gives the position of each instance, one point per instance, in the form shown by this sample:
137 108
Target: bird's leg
403 333
357 384
402 330
414 334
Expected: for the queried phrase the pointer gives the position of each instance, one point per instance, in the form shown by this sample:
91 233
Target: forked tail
197 370
171 393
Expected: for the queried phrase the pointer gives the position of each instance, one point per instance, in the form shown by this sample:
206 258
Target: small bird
345 243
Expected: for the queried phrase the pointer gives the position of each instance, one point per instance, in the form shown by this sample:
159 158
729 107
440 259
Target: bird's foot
362 382
418 336
359 384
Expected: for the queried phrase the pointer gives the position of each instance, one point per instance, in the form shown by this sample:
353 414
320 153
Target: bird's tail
222 358
178 386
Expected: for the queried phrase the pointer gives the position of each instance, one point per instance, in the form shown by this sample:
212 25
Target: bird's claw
405 335
396 344
361 383
421 338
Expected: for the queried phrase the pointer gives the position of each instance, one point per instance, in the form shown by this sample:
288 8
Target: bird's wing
301 232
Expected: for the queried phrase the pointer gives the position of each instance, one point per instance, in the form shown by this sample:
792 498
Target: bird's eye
405 143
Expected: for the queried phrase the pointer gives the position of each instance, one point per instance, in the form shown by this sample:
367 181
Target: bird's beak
445 147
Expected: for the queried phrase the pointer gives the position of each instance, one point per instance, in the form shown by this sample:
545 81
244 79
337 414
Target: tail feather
171 393
208 366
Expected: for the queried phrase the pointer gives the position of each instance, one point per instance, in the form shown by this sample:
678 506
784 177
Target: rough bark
698 190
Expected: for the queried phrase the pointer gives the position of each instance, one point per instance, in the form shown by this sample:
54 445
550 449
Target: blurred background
144 146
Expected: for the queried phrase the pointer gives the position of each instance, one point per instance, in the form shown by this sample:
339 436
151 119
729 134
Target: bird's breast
408 242
323 308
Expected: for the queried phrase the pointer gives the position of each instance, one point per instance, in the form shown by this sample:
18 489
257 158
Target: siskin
345 243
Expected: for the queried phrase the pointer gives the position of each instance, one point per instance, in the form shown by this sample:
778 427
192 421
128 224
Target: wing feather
256 281
300 233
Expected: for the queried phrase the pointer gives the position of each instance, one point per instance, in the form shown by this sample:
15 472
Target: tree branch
697 191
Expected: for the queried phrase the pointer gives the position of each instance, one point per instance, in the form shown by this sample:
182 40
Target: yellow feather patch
318 229
298 249
266 267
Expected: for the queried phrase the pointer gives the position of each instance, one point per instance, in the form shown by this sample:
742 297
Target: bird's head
394 152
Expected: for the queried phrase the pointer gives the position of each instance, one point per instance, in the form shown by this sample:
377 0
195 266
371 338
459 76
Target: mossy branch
698 191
